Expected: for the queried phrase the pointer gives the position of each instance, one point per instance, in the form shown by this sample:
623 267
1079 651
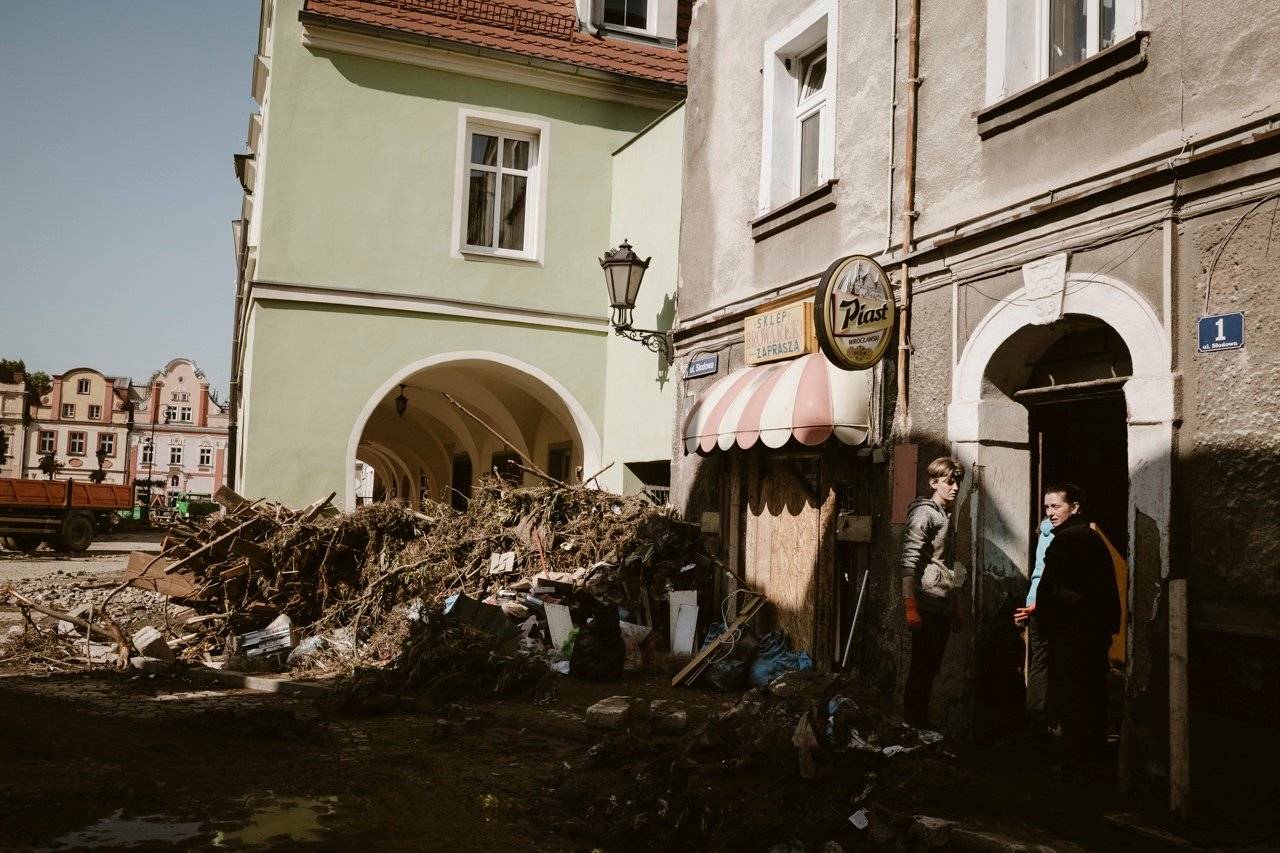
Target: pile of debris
811 750
438 601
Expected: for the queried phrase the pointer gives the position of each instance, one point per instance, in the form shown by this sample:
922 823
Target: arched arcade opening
436 426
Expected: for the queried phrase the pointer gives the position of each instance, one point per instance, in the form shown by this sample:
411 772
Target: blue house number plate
1221 331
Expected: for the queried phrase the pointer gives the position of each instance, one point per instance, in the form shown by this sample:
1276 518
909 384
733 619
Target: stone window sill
1123 58
801 209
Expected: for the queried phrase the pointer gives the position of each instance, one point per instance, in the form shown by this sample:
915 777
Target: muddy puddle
266 821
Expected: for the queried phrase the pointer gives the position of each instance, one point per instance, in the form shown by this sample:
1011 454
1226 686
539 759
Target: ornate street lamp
623 272
402 403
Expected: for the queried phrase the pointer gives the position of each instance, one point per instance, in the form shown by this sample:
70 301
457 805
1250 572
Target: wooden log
147 571
316 508
204 549
259 557
228 499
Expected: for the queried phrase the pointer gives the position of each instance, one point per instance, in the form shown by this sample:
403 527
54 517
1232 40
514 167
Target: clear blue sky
118 119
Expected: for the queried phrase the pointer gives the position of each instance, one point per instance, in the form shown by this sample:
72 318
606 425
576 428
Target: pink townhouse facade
179 438
84 422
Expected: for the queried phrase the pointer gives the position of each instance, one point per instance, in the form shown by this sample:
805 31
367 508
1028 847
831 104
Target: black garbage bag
729 672
598 651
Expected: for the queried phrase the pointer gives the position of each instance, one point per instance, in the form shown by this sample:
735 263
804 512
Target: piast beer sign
784 332
854 312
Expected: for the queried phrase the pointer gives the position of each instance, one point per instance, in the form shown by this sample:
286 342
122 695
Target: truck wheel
25 542
76 533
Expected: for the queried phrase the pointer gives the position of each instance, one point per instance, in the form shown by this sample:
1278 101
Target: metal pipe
893 132
848 644
903 418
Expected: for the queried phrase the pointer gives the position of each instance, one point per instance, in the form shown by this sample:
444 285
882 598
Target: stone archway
978 419
989 432
514 398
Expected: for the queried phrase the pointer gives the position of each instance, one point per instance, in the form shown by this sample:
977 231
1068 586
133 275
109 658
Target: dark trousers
928 643
1038 710
1078 668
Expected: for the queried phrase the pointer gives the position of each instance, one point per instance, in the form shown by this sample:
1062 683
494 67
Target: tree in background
49 465
38 383
10 366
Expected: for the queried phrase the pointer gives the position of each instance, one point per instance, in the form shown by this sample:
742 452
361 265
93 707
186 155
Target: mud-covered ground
111 761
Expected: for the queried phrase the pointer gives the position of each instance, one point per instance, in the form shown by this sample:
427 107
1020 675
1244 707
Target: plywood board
559 622
686 627
786 543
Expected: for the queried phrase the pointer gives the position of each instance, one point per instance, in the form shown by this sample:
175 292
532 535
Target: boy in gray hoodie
930 584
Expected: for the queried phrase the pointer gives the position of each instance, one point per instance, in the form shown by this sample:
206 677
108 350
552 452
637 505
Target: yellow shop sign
784 332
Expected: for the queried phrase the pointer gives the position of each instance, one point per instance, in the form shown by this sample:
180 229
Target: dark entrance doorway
1078 433
1083 439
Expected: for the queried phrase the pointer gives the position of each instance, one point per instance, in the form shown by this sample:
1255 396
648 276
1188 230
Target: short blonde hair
944 468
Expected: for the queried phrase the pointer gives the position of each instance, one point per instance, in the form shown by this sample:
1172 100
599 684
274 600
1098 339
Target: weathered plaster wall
719 260
307 393
1204 71
1226 503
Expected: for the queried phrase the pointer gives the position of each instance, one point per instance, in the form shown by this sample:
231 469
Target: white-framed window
500 196
206 456
798 133
148 452
175 454
107 443
82 386
170 413
68 411
76 443
811 98
1030 40
48 441
634 15
95 413
184 414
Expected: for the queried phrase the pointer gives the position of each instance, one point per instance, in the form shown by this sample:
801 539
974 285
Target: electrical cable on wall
1208 279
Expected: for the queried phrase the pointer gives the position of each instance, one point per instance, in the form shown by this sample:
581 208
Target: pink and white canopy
808 398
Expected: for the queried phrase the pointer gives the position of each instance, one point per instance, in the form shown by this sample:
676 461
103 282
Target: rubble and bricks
150 643
612 713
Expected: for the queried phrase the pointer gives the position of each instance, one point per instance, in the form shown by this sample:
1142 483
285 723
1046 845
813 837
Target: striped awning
808 398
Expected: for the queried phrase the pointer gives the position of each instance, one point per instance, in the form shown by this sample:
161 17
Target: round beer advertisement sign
854 312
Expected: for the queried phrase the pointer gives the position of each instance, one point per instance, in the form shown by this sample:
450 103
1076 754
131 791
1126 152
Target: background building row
166 436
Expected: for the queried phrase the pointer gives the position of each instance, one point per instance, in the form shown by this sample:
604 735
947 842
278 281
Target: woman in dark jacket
1078 609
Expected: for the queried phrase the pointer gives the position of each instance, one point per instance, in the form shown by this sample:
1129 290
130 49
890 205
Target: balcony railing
493 14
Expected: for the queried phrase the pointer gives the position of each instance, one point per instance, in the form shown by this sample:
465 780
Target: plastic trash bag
774 657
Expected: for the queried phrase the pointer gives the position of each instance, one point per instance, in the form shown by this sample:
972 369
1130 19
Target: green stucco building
429 185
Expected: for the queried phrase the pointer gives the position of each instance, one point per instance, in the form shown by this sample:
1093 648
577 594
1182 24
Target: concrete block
977 841
931 831
151 643
150 665
667 715
611 713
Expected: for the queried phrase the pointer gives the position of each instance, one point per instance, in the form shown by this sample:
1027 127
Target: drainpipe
903 419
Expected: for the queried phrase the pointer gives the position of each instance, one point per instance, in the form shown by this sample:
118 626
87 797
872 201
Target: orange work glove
913 615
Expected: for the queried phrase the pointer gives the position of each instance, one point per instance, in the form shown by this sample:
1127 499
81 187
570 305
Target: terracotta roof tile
545 29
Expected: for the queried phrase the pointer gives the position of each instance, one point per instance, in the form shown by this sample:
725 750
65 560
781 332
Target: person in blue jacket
1038 720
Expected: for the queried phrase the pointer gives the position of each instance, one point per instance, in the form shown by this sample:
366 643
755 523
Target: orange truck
67 514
